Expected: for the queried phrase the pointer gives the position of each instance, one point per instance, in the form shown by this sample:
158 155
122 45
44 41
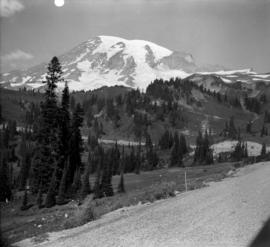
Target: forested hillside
58 146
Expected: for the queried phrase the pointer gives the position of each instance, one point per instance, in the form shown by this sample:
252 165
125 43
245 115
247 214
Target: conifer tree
203 153
151 156
76 148
248 127
232 129
86 187
50 200
121 185
25 201
240 151
263 150
62 187
46 154
25 153
183 144
138 159
5 189
64 133
106 181
39 198
72 103
115 159
263 131
99 156
176 153
198 149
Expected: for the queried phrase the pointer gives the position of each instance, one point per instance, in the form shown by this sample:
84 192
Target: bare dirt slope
227 213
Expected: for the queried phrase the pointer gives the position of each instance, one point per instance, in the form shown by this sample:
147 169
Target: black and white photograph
135 123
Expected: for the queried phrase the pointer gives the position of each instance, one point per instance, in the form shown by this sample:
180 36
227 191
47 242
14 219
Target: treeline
8 134
221 98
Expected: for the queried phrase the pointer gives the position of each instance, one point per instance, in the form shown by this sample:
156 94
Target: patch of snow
35 85
226 80
229 72
121 142
258 79
24 80
254 148
14 79
263 76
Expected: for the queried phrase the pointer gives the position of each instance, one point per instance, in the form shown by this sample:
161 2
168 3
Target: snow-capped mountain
108 61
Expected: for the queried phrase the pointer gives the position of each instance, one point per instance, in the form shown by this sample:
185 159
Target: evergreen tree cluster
266 117
230 129
166 141
240 151
252 104
8 134
179 149
56 161
264 131
203 153
221 98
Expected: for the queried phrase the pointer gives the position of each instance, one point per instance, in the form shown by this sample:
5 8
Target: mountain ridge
108 61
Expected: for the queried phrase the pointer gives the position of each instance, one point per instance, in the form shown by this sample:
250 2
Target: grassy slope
148 186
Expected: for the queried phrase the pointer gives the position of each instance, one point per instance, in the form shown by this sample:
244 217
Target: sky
231 33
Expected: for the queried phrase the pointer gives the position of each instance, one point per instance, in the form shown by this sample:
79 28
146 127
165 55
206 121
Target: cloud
10 7
16 60
17 55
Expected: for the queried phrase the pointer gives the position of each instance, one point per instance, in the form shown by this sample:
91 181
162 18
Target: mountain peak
108 61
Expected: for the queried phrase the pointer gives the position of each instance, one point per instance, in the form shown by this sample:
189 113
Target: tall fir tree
177 152
86 187
99 156
5 188
232 129
203 153
76 144
121 185
61 197
138 159
64 148
25 153
46 154
183 144
106 181
64 132
151 156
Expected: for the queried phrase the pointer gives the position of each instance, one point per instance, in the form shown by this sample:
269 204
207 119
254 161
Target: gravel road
227 213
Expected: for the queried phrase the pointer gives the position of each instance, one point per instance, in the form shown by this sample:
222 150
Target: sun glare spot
59 3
